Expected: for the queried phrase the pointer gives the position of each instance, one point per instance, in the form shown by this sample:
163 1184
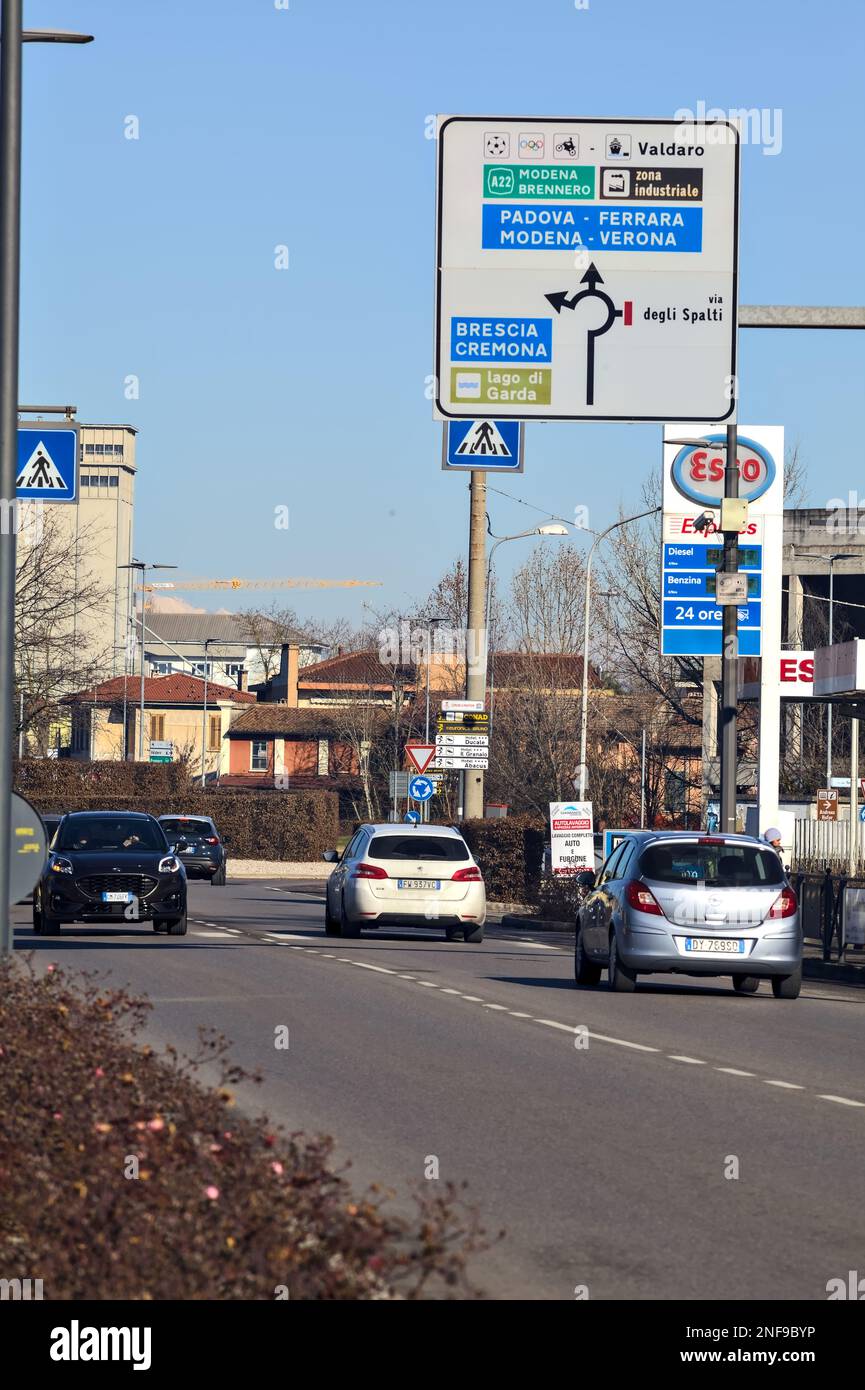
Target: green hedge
285 826
64 780
510 852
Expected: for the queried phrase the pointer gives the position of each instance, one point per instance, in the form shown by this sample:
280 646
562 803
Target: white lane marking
380 969
551 1023
444 991
472 998
694 1061
842 1100
283 936
623 1042
408 977
734 1071
785 1085
427 984
538 945
209 934
503 1007
513 1013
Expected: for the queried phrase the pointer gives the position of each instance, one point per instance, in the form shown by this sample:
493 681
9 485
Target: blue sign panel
47 467
494 445
412 817
560 227
420 789
692 623
501 340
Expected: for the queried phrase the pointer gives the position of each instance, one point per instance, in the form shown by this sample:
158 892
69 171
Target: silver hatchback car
680 902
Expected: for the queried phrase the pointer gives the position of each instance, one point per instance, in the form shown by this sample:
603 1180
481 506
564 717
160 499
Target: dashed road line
734 1071
694 1061
842 1100
785 1085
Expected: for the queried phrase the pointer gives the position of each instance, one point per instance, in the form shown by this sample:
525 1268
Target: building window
215 731
157 727
112 482
258 755
161 668
323 760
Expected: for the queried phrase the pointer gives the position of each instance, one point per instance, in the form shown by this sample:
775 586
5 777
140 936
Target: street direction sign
494 445
412 817
420 755
161 750
47 464
448 760
27 854
468 723
462 740
463 706
586 269
421 789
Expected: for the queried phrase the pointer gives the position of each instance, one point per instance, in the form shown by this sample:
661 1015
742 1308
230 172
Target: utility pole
730 653
207 642
476 634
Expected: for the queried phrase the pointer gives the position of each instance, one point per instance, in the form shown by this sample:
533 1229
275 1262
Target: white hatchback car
404 875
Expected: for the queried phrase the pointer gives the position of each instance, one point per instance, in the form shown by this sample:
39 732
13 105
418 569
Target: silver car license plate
428 884
116 897
712 944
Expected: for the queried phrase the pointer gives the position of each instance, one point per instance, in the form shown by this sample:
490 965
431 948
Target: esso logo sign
797 668
698 472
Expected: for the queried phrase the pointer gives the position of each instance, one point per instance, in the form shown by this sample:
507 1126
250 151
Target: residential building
251 653
106 720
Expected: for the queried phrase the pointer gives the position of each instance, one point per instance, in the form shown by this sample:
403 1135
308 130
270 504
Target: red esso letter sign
705 470
797 669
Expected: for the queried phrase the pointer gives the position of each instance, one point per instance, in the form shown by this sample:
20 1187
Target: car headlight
169 865
59 865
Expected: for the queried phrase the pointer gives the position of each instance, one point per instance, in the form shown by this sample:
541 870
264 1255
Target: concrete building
252 655
99 529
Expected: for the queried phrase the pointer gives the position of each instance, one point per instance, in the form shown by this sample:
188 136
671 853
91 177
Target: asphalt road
605 1162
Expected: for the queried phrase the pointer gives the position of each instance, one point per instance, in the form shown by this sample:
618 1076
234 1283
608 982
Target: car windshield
110 833
716 864
421 847
186 825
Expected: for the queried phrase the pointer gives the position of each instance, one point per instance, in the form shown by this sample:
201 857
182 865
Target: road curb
829 970
513 919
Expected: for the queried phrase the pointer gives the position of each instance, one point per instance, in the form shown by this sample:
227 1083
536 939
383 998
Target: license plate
723 945
116 897
430 884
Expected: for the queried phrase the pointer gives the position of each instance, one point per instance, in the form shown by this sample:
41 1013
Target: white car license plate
116 897
723 945
430 884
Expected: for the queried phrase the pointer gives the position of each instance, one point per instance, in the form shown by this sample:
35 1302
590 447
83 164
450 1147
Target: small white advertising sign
571 836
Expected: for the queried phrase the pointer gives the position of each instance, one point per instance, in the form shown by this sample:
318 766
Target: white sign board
796 676
840 669
854 916
586 269
572 840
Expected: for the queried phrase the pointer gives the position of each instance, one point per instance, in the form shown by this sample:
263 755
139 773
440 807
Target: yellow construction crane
187 584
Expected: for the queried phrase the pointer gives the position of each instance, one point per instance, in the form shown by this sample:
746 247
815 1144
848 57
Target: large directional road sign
47 467
586 269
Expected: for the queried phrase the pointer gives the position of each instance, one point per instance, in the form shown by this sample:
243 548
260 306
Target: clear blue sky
305 388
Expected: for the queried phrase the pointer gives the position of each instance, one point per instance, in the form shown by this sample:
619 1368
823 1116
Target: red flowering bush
122 1176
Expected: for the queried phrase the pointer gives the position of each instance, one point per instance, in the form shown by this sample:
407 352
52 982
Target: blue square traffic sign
495 445
47 467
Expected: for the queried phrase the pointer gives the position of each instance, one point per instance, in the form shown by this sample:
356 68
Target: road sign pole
730 654
10 250
476 634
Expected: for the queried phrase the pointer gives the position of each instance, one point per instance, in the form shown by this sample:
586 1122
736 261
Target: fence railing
823 904
821 844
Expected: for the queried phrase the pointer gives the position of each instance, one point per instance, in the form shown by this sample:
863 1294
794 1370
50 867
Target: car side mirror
586 878
331 856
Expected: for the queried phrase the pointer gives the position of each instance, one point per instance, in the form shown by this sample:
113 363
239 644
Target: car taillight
369 871
784 905
211 840
642 898
471 875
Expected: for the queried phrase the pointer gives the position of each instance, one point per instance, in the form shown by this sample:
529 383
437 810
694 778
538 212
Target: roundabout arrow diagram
560 301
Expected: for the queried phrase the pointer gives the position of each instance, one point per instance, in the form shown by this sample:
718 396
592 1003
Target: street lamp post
584 712
12 36
142 567
550 528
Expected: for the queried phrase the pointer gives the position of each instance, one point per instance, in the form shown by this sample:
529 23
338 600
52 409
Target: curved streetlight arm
584 713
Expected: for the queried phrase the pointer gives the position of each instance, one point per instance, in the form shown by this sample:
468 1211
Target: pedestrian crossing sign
47 466
494 445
